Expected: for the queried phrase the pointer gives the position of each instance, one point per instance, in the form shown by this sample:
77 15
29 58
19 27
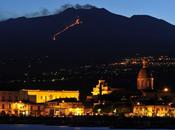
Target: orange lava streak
77 22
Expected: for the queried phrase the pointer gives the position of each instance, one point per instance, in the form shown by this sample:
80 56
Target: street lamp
165 89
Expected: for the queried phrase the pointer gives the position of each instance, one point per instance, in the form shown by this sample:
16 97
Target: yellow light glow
99 110
70 109
43 96
78 111
165 89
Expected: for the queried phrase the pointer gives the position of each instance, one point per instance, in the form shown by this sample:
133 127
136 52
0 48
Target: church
145 80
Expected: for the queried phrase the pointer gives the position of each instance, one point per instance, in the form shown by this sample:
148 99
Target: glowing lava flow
77 22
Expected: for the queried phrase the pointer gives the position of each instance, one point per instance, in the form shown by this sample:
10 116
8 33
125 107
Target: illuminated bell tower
101 88
145 80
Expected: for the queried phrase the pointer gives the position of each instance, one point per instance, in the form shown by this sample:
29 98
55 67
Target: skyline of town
55 103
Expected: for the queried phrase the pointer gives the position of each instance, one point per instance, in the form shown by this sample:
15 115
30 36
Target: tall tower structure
145 80
101 88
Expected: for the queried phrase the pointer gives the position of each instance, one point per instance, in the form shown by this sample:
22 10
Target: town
74 64
145 101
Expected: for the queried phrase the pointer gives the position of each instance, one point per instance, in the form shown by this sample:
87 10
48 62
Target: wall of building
153 110
41 96
145 83
10 96
34 102
65 108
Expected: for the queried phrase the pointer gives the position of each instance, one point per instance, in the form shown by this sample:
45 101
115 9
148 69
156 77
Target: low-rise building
10 96
38 102
65 107
41 96
153 111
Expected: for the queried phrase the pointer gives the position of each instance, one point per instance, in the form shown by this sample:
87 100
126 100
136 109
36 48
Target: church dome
145 79
144 73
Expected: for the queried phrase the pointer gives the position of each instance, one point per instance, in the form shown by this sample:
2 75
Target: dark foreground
44 127
94 121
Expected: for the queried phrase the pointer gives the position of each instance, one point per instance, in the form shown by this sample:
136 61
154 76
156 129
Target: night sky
163 9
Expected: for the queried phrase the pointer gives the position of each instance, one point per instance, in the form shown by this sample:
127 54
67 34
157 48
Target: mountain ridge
103 37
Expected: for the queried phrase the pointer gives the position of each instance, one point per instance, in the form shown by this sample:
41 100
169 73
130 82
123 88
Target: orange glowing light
77 22
165 89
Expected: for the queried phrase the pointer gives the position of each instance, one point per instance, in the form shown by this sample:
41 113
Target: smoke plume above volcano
46 12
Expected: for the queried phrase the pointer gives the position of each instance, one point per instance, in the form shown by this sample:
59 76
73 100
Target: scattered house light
138 103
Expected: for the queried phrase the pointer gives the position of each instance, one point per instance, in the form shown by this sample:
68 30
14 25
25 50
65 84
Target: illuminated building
145 80
105 89
153 111
20 108
41 96
112 108
5 108
10 96
7 98
33 102
65 107
37 109
14 108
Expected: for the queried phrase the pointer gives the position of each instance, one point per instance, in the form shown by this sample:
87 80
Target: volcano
102 38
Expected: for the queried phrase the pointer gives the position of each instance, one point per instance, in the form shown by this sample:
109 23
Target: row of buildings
40 103
146 101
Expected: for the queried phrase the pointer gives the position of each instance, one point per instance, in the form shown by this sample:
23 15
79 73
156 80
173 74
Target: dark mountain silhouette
101 38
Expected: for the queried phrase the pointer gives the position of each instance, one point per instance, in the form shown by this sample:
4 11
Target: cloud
87 6
44 12
77 6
